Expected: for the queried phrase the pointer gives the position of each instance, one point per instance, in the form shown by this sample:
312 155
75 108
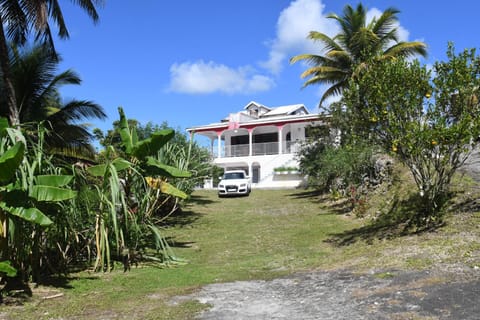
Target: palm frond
57 16
78 110
15 21
311 59
90 7
354 47
322 70
386 22
407 49
329 43
333 91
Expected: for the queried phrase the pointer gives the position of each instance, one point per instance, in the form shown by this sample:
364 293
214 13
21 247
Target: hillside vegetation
267 235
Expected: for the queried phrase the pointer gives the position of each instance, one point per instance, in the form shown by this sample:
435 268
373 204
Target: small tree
432 125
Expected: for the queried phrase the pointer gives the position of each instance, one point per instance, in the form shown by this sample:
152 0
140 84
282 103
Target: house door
255 173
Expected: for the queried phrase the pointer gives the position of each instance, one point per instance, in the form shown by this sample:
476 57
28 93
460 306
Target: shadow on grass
62 281
466 203
340 206
181 218
306 194
199 200
179 244
400 220
184 216
19 292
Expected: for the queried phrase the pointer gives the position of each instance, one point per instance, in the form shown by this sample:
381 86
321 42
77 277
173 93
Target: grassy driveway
266 235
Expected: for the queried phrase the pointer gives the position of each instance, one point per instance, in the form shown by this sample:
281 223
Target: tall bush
430 124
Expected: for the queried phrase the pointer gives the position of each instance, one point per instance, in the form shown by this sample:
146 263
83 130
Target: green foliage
37 88
178 152
350 51
10 161
431 125
285 169
7 269
134 185
30 191
337 168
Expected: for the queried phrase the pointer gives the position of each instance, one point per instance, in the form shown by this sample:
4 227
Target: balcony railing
258 149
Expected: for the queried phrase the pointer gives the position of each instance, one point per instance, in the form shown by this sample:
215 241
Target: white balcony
258 149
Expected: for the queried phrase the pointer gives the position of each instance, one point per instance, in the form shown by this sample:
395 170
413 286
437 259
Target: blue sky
192 62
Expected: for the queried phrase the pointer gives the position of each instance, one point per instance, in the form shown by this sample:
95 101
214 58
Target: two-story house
261 140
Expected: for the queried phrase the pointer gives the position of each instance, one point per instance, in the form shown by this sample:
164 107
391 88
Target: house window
239 140
265 137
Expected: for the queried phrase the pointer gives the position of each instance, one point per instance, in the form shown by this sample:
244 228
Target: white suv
234 182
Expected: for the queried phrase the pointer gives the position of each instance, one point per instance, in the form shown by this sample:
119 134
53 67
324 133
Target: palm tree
36 88
356 44
18 18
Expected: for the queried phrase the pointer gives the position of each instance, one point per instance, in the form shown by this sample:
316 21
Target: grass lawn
266 235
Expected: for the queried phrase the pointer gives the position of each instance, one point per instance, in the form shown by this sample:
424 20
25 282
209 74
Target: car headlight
220 185
243 185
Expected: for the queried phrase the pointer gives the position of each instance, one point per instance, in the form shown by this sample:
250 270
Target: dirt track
343 295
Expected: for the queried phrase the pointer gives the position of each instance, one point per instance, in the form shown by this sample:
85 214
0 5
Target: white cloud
293 27
295 23
208 77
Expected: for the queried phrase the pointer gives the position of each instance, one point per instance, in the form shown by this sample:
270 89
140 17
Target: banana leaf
101 169
125 133
6 268
167 188
51 194
121 164
10 160
29 214
155 167
54 180
98 170
3 126
150 146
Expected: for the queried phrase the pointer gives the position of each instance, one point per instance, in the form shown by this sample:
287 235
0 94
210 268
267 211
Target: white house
261 140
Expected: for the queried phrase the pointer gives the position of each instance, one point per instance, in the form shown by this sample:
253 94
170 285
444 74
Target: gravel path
344 295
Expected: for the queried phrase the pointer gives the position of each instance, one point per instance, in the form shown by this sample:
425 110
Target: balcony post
250 142
212 143
219 144
280 130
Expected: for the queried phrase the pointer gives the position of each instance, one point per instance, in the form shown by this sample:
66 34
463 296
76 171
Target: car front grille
231 188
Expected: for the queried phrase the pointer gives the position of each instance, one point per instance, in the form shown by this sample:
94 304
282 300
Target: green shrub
333 169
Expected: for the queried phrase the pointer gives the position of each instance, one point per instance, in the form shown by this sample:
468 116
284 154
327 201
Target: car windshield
233 175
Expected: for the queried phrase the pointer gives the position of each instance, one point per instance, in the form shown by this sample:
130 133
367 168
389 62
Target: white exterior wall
268 178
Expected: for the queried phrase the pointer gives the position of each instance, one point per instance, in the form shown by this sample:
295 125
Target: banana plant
125 183
24 190
156 175
144 151
111 200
